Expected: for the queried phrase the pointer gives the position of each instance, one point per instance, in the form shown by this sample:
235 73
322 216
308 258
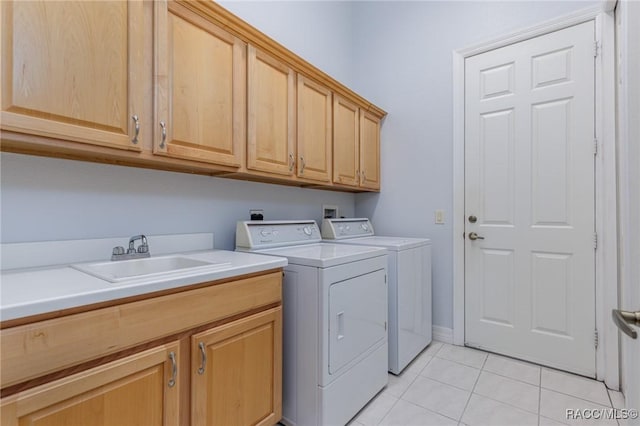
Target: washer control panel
266 234
335 229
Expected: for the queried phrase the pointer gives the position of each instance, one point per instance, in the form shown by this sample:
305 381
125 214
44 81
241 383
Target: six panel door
529 193
73 70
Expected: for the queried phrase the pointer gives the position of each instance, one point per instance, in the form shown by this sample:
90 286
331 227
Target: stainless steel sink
124 270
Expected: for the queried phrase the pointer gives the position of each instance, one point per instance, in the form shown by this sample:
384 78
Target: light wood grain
369 151
72 70
205 85
271 119
315 123
242 379
33 350
130 391
252 35
346 142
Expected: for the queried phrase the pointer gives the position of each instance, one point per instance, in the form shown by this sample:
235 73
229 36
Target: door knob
473 236
624 318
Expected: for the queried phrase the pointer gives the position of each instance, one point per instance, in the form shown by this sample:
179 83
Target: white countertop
26 292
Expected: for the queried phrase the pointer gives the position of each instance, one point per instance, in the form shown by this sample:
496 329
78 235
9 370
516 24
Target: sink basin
124 270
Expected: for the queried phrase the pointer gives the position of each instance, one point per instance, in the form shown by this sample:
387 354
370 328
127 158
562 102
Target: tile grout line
473 388
539 395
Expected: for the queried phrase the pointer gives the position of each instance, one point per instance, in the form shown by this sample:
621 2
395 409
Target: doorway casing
607 357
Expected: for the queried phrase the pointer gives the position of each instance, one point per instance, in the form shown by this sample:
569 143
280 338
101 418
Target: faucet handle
143 248
118 250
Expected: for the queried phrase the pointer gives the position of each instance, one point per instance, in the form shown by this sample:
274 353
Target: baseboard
442 334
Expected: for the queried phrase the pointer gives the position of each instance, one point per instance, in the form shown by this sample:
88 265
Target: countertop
27 292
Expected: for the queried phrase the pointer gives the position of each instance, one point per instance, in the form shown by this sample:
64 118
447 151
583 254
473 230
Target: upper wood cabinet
236 374
135 390
346 142
369 150
73 70
356 146
271 121
314 131
200 88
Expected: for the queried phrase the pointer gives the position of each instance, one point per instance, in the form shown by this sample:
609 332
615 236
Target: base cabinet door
141 389
73 70
236 372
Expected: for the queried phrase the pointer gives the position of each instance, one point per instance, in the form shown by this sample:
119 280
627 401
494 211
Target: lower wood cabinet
215 358
135 390
236 372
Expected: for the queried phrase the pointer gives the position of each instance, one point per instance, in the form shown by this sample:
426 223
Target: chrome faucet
132 253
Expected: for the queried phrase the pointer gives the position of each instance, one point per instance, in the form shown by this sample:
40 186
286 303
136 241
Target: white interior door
628 39
529 192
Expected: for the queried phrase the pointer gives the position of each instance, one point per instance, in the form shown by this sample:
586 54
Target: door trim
606 260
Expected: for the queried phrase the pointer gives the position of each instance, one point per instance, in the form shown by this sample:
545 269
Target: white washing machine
409 285
334 320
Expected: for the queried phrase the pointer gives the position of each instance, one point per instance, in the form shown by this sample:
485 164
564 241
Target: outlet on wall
256 214
439 216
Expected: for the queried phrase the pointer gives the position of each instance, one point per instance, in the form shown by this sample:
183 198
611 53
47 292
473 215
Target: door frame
606 258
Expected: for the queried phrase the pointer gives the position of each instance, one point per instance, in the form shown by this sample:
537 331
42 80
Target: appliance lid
390 243
324 255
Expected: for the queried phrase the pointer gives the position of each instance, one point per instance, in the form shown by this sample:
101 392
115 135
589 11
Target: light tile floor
453 385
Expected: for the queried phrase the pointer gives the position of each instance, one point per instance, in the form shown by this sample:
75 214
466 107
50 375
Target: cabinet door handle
292 162
303 164
364 177
174 369
203 355
357 176
136 123
164 134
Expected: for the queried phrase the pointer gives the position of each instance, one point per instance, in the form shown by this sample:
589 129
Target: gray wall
403 63
49 199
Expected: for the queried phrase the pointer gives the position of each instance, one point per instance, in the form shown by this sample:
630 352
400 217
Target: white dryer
409 285
334 320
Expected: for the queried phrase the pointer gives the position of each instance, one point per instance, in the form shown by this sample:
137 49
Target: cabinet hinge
595 338
595 146
596 48
595 240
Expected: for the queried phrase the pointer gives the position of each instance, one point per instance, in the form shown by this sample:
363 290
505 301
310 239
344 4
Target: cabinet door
200 88
346 136
369 151
236 372
314 131
271 121
72 70
135 390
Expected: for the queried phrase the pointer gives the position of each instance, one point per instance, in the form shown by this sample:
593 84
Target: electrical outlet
256 214
439 217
